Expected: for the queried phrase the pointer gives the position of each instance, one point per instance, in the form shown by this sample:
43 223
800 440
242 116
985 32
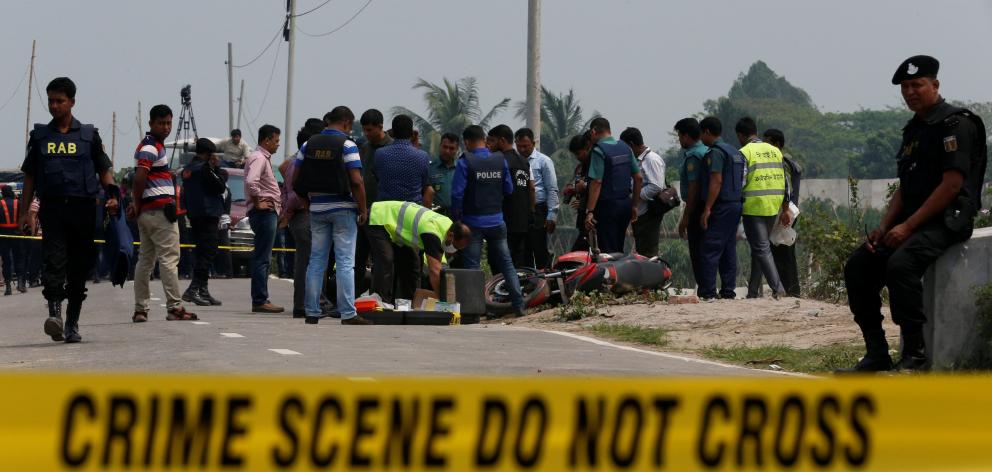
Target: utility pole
534 68
241 98
230 88
113 141
27 120
138 120
288 34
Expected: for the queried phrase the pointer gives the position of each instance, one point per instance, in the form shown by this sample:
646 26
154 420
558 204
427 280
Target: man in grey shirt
235 149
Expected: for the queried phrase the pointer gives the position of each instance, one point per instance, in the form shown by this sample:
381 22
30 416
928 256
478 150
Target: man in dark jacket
203 187
518 206
12 250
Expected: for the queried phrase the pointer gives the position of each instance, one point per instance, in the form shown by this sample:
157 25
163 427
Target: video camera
185 94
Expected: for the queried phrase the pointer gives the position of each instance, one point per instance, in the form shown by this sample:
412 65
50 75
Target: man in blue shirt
480 182
403 175
693 150
442 171
545 215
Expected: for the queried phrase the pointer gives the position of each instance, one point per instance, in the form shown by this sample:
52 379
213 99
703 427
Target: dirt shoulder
693 328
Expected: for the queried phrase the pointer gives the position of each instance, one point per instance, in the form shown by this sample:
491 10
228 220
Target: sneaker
139 317
356 320
267 307
180 314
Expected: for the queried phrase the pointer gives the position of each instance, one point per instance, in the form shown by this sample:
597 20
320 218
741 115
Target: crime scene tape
184 246
62 421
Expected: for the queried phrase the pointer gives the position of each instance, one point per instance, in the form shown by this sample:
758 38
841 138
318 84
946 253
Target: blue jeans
263 223
499 258
340 229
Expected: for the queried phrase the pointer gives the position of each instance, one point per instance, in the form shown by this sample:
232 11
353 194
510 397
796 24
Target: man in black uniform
941 165
518 206
67 164
203 188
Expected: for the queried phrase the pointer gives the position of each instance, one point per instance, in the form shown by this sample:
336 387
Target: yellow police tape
138 243
216 422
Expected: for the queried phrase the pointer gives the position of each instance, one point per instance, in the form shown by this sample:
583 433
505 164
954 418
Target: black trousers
203 230
223 266
647 234
519 250
902 272
396 269
363 250
67 246
185 254
34 254
13 252
582 239
788 270
537 237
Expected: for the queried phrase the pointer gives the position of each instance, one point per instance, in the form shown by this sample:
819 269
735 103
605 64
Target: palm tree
561 118
451 107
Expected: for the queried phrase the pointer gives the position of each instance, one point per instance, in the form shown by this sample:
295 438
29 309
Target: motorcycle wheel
535 291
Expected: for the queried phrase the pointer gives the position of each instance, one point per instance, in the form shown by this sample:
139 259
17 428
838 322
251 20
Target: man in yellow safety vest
764 200
394 224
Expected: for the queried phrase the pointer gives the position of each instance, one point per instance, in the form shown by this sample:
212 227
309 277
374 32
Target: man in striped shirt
154 206
334 217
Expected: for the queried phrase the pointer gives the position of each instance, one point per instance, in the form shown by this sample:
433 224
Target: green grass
631 333
809 360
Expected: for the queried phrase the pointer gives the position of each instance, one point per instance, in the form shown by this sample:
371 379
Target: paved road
231 339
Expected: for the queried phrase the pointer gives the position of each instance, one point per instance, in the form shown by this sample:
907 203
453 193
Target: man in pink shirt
263 199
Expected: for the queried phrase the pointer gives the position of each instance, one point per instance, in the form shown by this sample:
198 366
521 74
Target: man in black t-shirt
518 206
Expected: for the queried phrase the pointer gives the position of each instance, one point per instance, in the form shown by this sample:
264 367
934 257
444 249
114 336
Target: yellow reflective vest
764 190
406 222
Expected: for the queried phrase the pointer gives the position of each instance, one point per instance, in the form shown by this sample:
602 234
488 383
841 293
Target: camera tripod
187 123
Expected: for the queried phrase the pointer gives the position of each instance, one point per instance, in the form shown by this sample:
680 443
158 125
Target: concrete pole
113 141
241 98
230 88
287 144
27 120
534 68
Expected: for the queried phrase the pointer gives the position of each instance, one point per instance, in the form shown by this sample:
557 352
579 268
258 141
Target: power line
265 97
18 89
335 30
274 38
318 7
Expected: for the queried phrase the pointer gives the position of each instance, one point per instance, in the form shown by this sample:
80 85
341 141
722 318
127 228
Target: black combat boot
53 325
71 332
192 295
22 284
914 353
876 359
9 290
205 294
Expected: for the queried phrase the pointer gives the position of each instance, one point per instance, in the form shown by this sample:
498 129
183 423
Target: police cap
205 146
916 67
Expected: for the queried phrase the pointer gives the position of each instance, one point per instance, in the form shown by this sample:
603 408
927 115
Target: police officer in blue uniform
614 187
204 183
721 187
66 165
941 166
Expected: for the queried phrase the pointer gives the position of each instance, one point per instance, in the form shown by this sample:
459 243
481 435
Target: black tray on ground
432 318
385 317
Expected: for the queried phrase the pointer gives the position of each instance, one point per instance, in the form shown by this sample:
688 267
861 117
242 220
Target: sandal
180 314
139 317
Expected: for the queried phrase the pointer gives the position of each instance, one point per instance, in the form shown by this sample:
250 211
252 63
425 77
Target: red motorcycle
581 271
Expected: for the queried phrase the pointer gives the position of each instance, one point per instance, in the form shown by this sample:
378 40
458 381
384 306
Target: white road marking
668 356
200 322
154 299
231 335
286 352
162 305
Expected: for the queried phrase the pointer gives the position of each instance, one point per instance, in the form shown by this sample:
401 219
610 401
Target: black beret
916 67
205 146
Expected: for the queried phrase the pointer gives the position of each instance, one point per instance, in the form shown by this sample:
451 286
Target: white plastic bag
785 235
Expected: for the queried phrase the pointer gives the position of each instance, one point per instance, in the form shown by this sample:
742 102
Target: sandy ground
727 323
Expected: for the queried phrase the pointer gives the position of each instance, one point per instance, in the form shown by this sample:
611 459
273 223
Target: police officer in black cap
204 183
67 165
941 166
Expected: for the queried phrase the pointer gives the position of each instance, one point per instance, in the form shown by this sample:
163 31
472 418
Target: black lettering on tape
861 407
439 428
365 407
234 429
152 431
402 429
121 418
290 405
188 435
828 405
666 408
754 415
534 406
712 457
793 410
483 455
585 434
628 406
329 403
79 403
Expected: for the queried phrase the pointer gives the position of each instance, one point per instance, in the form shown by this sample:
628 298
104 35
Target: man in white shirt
647 228
235 150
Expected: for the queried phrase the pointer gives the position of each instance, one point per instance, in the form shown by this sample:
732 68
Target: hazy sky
643 63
